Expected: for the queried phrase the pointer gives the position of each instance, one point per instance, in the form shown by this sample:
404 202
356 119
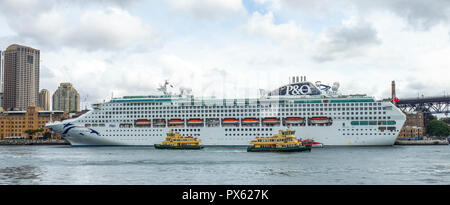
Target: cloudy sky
230 48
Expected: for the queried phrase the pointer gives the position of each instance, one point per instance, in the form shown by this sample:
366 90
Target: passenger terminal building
13 124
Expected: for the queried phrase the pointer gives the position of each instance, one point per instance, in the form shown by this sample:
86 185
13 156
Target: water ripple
113 165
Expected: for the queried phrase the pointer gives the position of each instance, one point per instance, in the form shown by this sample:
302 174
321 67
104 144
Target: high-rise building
44 99
1 101
1 73
1 81
21 77
66 98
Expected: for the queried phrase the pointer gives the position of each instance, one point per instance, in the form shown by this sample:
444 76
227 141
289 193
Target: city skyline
232 48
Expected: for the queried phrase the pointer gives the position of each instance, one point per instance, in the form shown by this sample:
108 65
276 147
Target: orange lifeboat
195 121
271 120
142 122
320 120
176 121
250 120
294 120
230 121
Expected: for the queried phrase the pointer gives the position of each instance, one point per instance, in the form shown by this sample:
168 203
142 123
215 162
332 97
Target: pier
421 142
34 142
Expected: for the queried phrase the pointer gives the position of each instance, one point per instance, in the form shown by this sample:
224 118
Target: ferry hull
287 149
159 146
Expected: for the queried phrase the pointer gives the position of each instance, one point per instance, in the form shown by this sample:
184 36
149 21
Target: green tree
31 132
427 118
446 120
47 135
438 128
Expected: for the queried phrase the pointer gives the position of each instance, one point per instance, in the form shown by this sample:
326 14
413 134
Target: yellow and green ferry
284 141
175 141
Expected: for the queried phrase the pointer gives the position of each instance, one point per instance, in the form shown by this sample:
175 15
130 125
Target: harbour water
60 164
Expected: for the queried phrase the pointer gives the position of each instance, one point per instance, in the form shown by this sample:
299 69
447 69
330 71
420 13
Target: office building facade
44 99
66 98
21 77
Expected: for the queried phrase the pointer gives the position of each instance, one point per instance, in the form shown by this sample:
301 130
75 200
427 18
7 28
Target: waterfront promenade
421 142
33 142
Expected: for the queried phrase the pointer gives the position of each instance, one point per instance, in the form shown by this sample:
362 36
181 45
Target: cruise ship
314 110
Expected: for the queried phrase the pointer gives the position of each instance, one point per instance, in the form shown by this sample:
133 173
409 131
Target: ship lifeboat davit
320 120
294 120
159 122
195 121
230 121
272 120
250 121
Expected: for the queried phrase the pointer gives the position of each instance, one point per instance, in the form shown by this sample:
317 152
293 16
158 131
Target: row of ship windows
137 130
227 139
249 134
147 116
178 106
248 129
147 135
229 115
363 130
234 134
198 130
268 134
388 133
242 110
134 135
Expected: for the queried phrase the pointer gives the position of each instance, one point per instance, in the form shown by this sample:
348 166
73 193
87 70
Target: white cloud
207 9
53 26
286 33
421 15
351 39
112 28
215 53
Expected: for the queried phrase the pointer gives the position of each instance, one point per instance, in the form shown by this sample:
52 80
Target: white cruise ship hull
334 135
331 119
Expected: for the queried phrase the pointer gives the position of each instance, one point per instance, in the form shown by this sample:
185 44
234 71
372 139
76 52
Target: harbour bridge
427 105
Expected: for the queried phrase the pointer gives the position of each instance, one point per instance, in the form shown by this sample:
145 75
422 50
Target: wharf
33 142
421 142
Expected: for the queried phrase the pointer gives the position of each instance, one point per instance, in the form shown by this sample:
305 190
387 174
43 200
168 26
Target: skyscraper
1 80
44 99
1 72
66 98
21 77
